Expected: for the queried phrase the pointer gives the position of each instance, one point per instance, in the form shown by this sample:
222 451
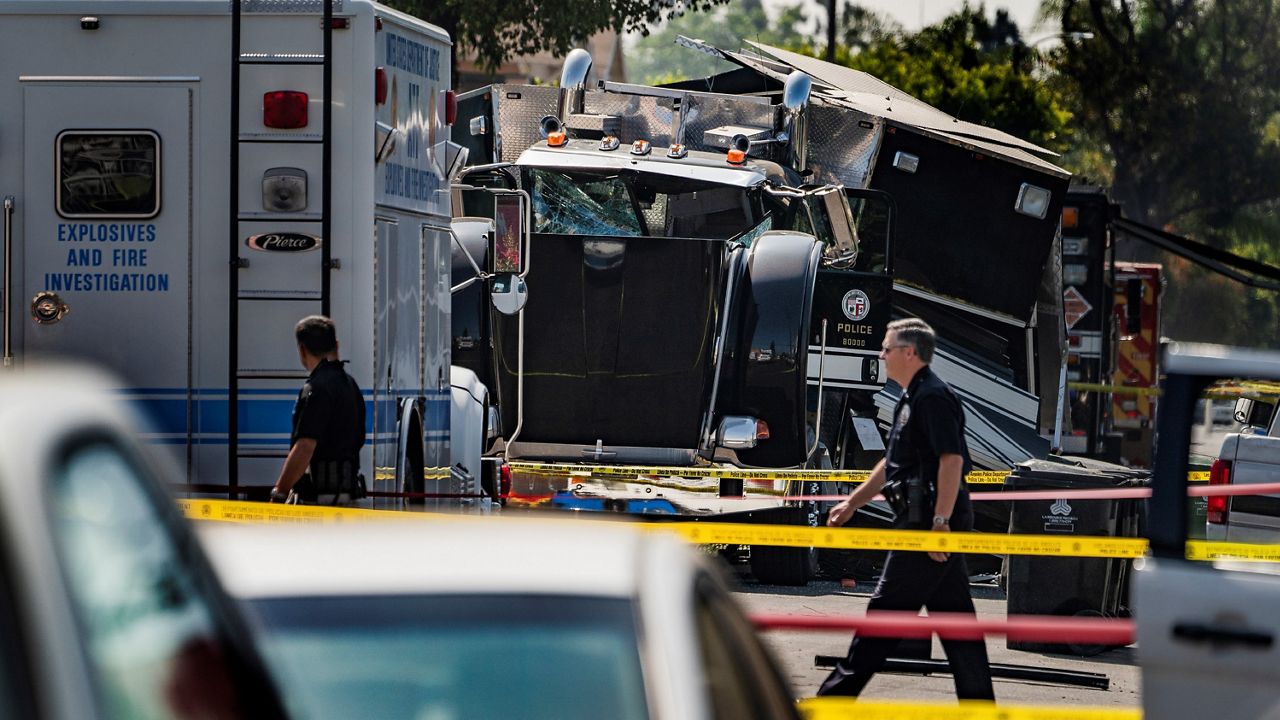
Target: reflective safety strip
837 708
431 473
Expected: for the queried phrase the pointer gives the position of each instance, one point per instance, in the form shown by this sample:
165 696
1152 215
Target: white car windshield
455 656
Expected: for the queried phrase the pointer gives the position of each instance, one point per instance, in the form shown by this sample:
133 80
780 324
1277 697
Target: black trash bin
1045 585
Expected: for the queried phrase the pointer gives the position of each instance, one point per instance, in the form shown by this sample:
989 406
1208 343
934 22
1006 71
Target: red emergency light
380 86
284 109
450 107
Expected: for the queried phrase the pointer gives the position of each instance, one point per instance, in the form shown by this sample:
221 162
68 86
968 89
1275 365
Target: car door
1206 630
160 638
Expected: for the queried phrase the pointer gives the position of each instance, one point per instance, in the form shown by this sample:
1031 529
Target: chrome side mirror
738 432
795 99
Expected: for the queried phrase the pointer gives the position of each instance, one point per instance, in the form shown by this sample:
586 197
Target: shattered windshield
633 203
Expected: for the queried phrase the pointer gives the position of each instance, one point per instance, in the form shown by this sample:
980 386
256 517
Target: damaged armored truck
701 274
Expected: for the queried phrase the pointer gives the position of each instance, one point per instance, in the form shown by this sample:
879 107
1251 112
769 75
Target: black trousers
910 581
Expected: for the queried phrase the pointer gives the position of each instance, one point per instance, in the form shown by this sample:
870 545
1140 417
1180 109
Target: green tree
496 30
1182 97
971 67
1186 97
656 58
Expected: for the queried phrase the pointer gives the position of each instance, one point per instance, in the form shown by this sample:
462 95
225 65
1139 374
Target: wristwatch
941 520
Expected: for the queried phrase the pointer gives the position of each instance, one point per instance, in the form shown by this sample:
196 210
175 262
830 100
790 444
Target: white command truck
185 179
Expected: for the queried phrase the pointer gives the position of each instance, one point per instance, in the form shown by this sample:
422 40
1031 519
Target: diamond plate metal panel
518 112
840 148
643 117
703 112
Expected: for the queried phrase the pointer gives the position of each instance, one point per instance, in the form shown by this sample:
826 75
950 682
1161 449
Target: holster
911 498
332 478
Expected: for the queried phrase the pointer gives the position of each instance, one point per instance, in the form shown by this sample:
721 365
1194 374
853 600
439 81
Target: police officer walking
323 465
922 477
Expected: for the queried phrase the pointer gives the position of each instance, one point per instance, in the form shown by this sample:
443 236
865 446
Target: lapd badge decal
856 305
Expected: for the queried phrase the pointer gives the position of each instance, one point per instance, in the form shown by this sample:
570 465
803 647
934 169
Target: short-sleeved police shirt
928 422
330 410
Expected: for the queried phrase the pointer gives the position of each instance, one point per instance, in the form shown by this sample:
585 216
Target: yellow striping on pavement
834 708
709 533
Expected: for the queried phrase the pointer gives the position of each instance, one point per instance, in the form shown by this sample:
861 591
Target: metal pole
8 281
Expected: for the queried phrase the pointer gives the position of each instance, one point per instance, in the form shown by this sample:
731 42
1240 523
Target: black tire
411 464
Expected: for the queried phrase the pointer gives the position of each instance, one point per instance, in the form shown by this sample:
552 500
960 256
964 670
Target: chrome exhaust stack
795 102
573 82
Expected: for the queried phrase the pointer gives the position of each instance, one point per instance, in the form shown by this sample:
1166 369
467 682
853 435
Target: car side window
743 682
149 635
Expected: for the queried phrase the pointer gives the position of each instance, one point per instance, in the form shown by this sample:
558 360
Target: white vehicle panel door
106 229
1213 651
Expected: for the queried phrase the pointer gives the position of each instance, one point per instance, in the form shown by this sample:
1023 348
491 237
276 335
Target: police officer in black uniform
922 477
323 465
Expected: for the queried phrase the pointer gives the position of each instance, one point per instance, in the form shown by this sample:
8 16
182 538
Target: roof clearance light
677 151
640 147
1032 201
380 86
609 142
339 23
557 138
737 157
284 109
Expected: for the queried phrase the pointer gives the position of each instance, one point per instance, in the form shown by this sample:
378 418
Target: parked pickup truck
1250 456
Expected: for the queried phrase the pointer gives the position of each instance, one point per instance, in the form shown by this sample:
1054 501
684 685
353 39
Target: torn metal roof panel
868 93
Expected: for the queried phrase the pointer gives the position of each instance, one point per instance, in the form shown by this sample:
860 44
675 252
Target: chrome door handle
1223 635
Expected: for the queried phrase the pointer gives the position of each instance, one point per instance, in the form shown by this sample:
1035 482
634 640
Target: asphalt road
796 651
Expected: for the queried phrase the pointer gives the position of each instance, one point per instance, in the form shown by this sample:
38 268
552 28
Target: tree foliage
1186 97
974 68
497 30
656 58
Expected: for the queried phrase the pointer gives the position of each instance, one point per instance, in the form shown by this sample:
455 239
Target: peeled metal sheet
518 112
840 148
643 117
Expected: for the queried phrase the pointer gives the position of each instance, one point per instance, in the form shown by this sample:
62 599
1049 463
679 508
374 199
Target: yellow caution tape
1114 389
709 533
1208 550
713 533
257 512
979 477
640 472
837 708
